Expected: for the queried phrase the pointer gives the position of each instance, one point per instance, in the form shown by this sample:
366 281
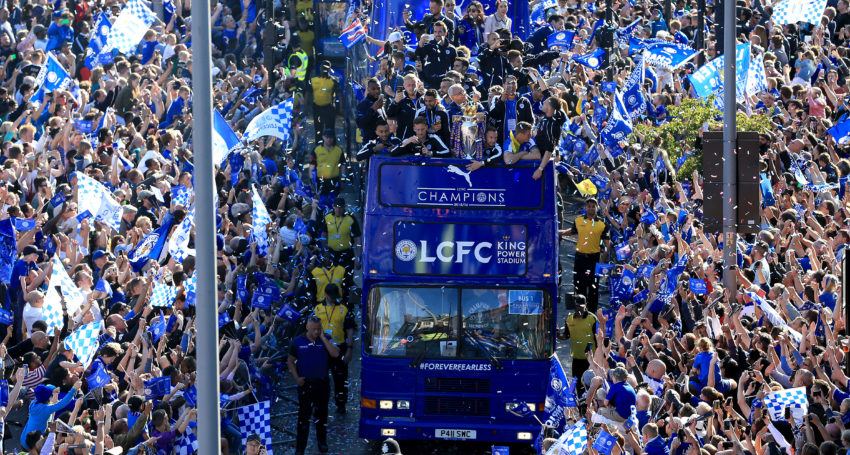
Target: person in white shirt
497 20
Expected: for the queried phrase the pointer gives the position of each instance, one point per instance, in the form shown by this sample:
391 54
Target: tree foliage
678 136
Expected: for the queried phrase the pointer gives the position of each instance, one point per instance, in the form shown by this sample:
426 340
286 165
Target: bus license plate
455 434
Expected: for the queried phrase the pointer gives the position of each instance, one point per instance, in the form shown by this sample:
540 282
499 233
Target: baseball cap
254 437
31 249
395 36
98 254
42 393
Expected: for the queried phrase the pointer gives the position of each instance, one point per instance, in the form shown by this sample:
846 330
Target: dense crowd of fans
672 363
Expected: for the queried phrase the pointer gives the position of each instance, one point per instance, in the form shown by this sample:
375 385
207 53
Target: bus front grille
457 385
457 406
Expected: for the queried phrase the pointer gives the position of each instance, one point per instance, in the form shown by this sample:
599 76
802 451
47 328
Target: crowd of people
96 255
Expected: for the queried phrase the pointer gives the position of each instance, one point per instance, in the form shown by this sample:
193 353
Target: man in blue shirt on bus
520 146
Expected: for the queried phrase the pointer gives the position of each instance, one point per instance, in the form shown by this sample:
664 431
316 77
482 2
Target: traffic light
273 33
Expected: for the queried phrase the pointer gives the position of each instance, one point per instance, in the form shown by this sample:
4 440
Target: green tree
678 136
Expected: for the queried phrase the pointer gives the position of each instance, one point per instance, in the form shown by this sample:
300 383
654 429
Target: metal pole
206 318
730 130
845 300
668 13
700 34
609 34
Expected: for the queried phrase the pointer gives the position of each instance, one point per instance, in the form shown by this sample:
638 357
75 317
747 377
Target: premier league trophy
468 133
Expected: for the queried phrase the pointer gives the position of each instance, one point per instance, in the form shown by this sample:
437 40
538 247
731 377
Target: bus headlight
390 432
509 407
523 436
386 404
402 404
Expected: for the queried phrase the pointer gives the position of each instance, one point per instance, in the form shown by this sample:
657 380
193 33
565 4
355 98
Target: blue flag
521 410
641 296
289 313
592 60
563 38
610 87
841 132
619 124
668 56
157 387
649 216
603 269
191 396
242 289
94 54
98 378
223 319
60 197
157 328
604 443
622 288
103 286
151 246
645 271
84 126
8 249
626 33
4 394
698 286
53 76
224 139
571 393
6 317
624 251
767 191
556 396
24 224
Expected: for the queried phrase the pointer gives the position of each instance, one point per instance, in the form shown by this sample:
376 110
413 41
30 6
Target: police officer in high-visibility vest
328 160
338 322
342 233
325 90
592 234
296 63
324 274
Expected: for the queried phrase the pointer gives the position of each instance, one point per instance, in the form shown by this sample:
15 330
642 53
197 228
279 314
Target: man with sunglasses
309 359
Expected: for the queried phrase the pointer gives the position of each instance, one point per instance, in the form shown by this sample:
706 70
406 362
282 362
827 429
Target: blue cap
42 393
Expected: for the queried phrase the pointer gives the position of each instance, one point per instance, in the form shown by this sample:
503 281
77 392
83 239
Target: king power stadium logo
505 251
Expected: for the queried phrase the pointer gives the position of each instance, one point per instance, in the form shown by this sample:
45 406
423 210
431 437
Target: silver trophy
469 131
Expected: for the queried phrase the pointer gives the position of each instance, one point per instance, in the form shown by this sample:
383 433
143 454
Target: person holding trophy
466 119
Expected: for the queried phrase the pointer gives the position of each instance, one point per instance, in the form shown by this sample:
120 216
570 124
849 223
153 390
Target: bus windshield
455 323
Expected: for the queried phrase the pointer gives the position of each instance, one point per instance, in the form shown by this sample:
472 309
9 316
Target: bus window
505 324
404 321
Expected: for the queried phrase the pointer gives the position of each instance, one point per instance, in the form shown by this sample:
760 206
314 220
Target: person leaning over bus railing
422 143
384 143
520 146
492 152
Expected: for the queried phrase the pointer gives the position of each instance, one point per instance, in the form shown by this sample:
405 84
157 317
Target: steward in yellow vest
328 160
342 232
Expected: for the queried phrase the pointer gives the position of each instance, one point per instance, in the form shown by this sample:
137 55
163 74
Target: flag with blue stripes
261 219
93 194
275 121
354 30
756 77
190 287
83 342
128 30
163 295
793 11
74 297
573 441
94 54
592 60
256 419
178 244
795 398
188 444
633 99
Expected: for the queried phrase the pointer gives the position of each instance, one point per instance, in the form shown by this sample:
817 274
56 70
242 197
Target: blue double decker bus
459 298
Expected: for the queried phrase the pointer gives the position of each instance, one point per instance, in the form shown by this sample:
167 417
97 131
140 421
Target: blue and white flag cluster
275 121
